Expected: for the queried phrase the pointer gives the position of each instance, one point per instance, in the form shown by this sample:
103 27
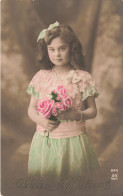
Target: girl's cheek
68 55
50 55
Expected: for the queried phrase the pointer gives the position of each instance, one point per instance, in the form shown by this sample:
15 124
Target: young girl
70 152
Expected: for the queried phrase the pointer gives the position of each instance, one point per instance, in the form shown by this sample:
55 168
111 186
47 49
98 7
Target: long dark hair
67 35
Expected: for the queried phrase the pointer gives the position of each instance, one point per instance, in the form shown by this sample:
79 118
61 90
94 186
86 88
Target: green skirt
65 157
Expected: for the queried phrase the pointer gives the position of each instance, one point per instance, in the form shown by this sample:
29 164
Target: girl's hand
48 124
69 115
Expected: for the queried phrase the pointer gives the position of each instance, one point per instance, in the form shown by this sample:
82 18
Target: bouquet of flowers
57 101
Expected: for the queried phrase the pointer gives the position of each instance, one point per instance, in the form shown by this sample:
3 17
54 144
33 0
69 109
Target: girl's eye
51 49
63 48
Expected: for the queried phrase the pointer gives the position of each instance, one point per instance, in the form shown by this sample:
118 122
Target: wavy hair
68 36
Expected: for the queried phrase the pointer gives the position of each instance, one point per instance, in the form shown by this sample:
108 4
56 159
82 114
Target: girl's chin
59 64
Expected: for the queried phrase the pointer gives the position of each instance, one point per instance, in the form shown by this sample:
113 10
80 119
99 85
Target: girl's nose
57 53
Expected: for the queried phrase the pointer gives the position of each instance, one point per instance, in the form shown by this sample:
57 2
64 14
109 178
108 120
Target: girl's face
58 52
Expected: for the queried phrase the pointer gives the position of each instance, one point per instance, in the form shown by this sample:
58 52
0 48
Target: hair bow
43 32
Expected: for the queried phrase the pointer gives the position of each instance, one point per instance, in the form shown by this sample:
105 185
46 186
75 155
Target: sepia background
98 25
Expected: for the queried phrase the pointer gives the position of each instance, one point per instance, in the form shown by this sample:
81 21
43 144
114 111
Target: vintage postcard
61 97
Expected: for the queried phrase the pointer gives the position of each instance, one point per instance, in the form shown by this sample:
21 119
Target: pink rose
61 90
66 101
58 106
45 106
54 91
54 110
58 97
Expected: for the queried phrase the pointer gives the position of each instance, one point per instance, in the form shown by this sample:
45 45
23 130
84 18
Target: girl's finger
54 125
54 122
59 116
51 124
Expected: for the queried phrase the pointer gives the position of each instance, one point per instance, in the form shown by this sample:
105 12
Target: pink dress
79 85
71 151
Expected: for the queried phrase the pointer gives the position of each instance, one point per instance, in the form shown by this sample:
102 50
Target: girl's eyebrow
59 46
63 45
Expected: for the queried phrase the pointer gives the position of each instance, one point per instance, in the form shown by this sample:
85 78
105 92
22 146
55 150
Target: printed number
114 170
114 175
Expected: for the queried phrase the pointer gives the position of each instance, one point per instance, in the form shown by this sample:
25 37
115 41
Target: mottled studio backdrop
98 25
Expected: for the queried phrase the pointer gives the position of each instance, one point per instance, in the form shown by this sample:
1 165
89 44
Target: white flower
73 77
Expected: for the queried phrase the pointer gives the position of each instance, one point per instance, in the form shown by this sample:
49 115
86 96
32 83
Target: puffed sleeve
33 87
88 86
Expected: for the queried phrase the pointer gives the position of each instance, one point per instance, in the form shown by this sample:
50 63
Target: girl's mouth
58 59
